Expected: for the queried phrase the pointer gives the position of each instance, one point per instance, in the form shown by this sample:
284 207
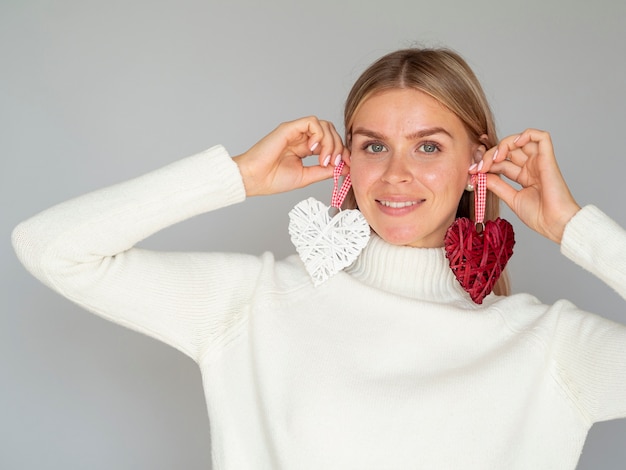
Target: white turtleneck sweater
388 365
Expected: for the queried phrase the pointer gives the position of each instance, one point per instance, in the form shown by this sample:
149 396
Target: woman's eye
375 148
428 148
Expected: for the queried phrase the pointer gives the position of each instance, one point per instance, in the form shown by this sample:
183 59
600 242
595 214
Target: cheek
446 184
362 178
442 178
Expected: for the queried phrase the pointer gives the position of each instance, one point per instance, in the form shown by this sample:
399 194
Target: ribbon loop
339 193
479 181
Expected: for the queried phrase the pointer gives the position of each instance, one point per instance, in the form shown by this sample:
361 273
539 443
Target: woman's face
409 166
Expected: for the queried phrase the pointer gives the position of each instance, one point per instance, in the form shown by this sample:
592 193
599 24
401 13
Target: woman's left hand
544 201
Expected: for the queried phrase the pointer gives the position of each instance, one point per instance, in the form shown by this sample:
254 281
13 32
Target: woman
389 364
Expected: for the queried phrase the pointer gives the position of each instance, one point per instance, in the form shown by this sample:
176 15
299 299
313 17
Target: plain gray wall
94 92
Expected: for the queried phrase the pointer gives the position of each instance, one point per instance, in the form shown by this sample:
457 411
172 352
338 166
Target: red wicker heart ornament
477 259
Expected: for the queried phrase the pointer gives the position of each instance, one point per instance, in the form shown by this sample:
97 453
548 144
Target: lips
397 204
398 207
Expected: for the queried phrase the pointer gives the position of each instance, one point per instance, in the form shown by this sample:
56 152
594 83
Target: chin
400 238
409 237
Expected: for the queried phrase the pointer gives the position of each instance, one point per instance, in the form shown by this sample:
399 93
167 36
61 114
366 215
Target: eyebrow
415 135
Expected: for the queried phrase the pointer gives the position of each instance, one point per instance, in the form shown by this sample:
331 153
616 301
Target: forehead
405 110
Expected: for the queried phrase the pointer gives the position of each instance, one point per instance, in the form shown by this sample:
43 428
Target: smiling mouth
397 204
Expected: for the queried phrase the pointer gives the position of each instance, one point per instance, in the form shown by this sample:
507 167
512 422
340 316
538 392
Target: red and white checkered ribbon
339 193
479 181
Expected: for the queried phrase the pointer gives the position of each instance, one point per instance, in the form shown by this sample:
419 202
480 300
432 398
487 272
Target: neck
420 273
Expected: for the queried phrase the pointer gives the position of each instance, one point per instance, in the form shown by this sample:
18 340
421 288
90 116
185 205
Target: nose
398 170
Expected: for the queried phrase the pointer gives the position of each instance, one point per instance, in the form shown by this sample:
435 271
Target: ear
484 139
479 152
481 148
347 158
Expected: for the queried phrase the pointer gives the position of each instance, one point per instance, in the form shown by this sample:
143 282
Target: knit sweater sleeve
598 244
592 350
85 250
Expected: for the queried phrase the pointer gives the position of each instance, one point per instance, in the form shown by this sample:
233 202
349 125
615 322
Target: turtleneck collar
419 273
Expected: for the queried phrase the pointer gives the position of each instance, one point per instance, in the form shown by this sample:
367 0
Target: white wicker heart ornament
327 244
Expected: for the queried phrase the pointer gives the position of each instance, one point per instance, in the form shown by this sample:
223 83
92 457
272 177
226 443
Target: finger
535 142
315 174
484 164
304 135
327 144
538 136
331 145
499 153
345 156
314 131
507 169
511 148
298 138
507 150
502 189
535 151
339 146
516 156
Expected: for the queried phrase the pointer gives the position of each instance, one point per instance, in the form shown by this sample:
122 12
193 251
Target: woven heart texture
326 244
478 259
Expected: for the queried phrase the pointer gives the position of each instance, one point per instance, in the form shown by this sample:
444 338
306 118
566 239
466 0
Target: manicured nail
473 166
517 138
480 166
337 160
495 155
314 146
326 161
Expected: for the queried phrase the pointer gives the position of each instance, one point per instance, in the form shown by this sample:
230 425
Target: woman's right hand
275 163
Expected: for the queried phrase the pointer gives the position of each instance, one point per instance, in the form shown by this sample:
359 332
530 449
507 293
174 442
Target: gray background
93 92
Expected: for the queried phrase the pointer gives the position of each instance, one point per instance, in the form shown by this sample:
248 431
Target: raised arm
590 350
544 203
85 248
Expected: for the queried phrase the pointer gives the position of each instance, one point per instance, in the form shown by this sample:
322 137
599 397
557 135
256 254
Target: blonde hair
444 75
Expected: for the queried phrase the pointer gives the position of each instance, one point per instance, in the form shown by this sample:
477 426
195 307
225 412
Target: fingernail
517 138
495 155
314 146
326 161
480 165
473 166
337 160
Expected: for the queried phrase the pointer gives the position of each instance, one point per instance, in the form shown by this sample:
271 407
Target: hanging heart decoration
478 257
325 243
